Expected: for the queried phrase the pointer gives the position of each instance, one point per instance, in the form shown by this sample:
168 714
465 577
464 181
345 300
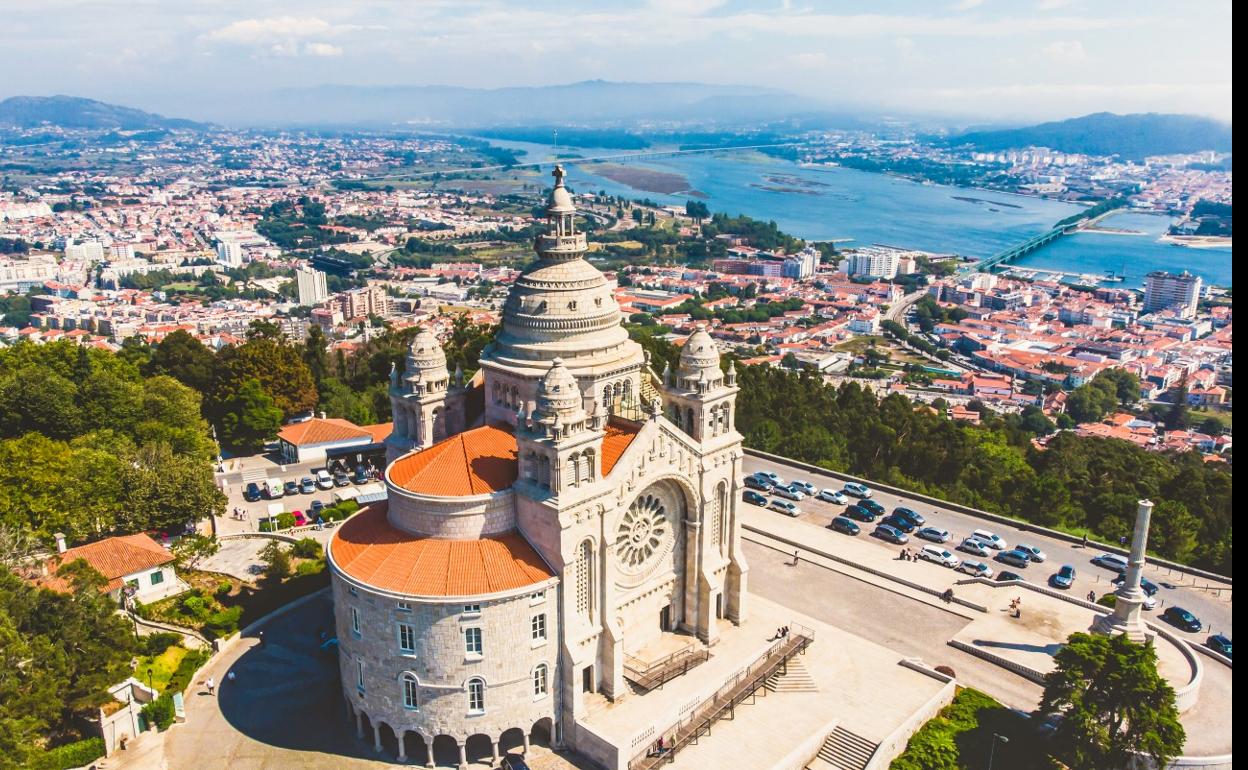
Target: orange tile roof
322 430
113 557
368 548
475 462
620 434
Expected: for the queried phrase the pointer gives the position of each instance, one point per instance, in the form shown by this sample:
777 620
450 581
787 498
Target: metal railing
741 687
652 675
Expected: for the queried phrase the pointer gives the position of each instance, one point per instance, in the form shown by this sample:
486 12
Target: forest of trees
1076 483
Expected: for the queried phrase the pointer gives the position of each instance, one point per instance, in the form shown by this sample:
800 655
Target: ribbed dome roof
558 391
700 353
425 355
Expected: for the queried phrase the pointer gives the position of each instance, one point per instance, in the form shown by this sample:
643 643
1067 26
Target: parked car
854 489
341 479
768 477
976 546
939 556
314 510
307 485
273 489
362 475
832 496
1033 553
1182 619
788 492
514 762
891 534
1064 577
933 534
1018 559
300 519
873 506
858 513
291 488
785 507
324 480
252 493
1148 586
975 568
994 541
844 524
754 498
1219 643
805 487
1005 577
910 514
900 522
754 482
1111 561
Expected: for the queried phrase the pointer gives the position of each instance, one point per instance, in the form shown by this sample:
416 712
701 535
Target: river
862 208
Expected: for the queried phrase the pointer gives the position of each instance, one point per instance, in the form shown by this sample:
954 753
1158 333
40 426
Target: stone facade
640 544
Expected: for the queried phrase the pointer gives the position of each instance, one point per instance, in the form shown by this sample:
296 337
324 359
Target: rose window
644 531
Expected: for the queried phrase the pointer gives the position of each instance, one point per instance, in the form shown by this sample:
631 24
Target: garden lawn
162 665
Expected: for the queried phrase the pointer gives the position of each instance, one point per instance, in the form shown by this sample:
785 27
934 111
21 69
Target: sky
980 59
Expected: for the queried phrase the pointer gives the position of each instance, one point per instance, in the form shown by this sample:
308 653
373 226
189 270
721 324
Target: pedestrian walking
795 559
1092 596
1085 539
211 685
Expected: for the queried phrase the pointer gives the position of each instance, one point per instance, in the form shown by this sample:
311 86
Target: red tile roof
324 430
368 548
113 557
475 462
620 434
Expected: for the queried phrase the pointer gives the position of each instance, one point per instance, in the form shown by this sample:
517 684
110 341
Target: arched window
476 695
541 684
411 691
574 470
588 457
585 581
712 516
725 526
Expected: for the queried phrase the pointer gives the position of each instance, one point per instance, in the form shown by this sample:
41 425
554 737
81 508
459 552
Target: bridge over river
1033 243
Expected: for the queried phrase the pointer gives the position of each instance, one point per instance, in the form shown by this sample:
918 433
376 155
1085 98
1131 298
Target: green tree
183 358
279 368
251 417
276 561
1114 703
190 550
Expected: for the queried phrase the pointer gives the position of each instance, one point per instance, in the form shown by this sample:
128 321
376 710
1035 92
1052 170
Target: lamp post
992 751
152 687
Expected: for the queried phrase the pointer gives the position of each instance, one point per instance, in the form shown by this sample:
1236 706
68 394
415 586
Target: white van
274 488
990 539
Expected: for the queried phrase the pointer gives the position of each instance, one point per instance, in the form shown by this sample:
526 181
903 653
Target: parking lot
1212 606
261 469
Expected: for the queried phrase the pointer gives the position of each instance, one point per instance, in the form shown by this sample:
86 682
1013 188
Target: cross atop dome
558 174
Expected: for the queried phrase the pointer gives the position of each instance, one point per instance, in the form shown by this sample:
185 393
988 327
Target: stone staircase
843 750
796 679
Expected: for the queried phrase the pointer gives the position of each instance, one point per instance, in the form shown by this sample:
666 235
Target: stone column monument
1125 619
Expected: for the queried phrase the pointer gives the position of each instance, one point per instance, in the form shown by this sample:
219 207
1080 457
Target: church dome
426 361
699 354
561 306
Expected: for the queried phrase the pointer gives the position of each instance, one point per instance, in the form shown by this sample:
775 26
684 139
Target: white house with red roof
134 561
315 439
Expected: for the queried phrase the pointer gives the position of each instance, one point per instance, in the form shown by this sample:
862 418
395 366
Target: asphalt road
1214 611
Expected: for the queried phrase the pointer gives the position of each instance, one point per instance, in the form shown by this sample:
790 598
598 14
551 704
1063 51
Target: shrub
1108 600
307 548
222 623
155 644
159 712
276 561
349 506
223 588
309 568
75 754
266 525
190 663
285 520
195 605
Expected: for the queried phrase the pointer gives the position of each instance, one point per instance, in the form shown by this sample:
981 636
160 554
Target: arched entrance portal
540 733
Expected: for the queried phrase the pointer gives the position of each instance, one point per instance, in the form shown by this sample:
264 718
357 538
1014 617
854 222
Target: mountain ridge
81 112
1132 136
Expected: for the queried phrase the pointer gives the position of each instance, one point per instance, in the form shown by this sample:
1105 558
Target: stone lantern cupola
698 396
560 442
418 397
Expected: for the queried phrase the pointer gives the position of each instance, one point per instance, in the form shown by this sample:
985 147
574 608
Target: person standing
211 685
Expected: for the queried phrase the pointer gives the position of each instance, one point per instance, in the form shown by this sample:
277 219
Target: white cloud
1066 51
966 5
322 49
258 31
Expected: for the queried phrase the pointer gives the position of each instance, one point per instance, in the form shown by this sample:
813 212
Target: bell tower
699 397
560 444
418 399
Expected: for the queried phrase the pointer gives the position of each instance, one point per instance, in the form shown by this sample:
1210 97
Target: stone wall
451 518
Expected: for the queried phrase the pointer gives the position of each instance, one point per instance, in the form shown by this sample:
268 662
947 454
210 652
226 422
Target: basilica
548 521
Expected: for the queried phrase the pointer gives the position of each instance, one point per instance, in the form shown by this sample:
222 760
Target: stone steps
843 750
797 679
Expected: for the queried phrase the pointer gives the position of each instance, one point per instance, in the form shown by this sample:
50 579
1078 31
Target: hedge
155 644
70 755
159 712
190 663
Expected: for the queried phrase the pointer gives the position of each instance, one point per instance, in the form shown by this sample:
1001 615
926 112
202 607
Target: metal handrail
736 690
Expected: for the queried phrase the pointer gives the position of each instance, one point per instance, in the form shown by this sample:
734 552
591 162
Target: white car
992 540
1111 561
769 476
832 496
805 487
939 555
855 489
1035 553
975 569
785 507
976 546
324 480
788 492
934 534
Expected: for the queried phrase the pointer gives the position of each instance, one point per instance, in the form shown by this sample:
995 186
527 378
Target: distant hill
77 112
1104 133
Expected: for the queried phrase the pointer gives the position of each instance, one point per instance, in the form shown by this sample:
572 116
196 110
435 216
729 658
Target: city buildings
1169 291
311 286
